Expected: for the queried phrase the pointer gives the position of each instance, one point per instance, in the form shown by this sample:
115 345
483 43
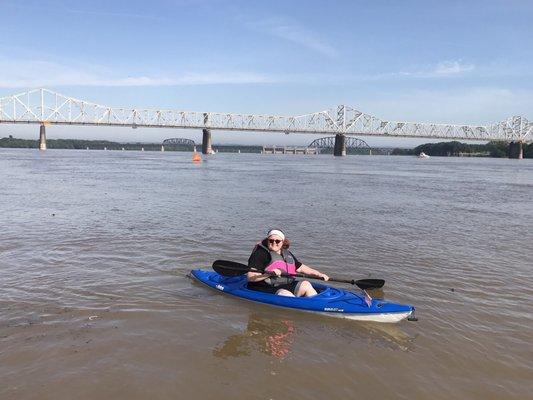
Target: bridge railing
45 106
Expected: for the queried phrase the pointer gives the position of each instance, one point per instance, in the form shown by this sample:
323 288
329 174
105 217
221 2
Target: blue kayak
330 301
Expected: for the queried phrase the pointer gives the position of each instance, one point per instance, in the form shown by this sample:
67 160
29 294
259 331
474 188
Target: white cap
276 232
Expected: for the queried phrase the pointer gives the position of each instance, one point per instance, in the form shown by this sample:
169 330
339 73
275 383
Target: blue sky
429 61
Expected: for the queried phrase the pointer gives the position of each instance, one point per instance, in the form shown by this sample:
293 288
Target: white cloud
447 68
28 73
293 32
23 73
443 69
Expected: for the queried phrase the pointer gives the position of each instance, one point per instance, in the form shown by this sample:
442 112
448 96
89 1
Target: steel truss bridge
43 106
179 141
329 143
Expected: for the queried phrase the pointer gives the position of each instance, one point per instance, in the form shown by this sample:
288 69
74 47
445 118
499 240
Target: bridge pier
206 142
42 137
339 149
516 150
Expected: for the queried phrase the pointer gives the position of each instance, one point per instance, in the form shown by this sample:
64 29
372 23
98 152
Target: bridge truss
42 106
179 142
329 143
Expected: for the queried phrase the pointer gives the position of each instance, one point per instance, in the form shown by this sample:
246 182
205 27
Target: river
96 302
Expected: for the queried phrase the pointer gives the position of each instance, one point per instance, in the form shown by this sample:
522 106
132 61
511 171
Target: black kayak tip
412 317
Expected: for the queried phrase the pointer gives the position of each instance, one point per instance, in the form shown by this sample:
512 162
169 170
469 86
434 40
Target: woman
272 258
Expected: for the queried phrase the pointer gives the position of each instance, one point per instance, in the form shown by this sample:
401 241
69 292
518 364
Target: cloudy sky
428 61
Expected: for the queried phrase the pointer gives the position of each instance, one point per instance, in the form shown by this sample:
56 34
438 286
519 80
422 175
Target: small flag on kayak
368 299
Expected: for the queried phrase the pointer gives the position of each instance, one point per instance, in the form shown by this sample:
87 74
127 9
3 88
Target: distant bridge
179 141
42 106
329 143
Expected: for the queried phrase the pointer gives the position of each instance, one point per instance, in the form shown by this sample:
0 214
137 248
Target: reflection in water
275 336
272 336
390 334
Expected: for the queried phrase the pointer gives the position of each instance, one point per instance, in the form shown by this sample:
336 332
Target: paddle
231 268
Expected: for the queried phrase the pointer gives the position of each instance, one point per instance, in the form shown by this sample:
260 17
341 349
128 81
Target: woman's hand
323 276
277 272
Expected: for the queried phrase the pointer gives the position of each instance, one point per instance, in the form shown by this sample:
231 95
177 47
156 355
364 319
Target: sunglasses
272 241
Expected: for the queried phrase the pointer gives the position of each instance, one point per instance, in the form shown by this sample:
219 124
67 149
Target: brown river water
95 301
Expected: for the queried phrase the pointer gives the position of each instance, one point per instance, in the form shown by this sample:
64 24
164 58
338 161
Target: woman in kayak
272 255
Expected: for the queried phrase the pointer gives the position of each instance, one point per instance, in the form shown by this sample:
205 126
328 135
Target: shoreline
441 149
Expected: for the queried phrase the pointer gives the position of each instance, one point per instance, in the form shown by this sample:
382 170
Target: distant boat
423 155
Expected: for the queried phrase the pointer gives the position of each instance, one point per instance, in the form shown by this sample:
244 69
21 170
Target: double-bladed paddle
231 268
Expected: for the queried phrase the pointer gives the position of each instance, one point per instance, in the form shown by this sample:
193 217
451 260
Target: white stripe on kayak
390 318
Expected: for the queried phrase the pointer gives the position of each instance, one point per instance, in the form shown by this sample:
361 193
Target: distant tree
443 148
402 152
498 149
455 148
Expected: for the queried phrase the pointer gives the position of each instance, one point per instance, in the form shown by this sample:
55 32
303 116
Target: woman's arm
258 260
258 276
304 269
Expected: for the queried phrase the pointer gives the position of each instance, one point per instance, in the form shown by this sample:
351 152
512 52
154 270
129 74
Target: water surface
95 302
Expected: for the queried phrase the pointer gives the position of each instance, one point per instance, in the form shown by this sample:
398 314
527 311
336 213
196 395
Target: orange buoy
196 157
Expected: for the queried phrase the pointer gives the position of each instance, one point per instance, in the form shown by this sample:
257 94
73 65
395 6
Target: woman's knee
284 292
305 288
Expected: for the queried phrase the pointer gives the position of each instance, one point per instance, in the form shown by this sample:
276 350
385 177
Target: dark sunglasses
272 241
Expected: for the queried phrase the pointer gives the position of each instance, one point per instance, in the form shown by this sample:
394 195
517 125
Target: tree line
78 144
456 149
445 149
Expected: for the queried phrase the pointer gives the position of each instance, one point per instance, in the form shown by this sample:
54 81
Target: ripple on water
96 247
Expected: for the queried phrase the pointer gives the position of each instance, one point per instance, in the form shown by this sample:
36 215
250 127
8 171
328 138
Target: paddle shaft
221 265
297 275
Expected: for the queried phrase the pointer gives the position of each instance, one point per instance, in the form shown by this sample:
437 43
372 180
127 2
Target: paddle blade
230 268
370 283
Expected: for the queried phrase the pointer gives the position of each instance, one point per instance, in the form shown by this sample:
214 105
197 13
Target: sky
464 62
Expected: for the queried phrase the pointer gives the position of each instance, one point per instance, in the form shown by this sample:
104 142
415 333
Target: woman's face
274 243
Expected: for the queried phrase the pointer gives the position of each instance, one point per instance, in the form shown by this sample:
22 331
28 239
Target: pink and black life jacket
284 262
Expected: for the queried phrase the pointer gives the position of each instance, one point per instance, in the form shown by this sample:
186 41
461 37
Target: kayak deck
330 301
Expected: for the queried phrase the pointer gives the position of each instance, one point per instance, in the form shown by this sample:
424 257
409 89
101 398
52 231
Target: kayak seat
262 289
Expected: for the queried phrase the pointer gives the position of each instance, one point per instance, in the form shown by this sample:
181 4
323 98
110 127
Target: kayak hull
330 301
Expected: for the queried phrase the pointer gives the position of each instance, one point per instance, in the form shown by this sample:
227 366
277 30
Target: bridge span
340 144
45 107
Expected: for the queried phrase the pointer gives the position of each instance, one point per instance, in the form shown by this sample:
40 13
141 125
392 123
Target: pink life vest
289 268
284 261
